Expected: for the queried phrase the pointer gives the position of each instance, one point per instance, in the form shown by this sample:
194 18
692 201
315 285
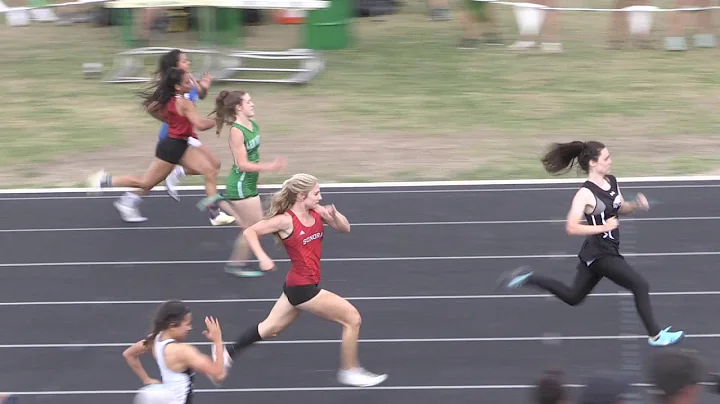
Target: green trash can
329 28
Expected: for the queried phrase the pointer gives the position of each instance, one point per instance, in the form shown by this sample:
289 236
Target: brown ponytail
225 104
563 156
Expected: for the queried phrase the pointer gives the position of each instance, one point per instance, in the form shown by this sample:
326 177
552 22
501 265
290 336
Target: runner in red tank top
167 104
304 247
297 219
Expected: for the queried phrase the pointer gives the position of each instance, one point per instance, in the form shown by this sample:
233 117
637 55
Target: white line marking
362 187
371 341
379 224
352 259
353 192
307 389
359 298
406 184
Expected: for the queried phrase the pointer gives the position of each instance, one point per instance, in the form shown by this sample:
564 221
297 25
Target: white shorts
194 142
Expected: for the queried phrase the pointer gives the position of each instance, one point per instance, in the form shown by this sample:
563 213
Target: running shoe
360 377
129 212
171 183
515 278
221 218
667 337
97 181
243 271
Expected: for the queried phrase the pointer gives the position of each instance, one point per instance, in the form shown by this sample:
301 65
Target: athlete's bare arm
281 224
334 218
187 109
630 206
132 357
237 146
192 358
203 85
584 202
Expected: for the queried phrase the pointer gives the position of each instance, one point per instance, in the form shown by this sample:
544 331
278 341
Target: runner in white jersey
177 360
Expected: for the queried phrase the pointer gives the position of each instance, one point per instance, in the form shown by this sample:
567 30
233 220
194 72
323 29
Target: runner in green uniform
236 108
243 184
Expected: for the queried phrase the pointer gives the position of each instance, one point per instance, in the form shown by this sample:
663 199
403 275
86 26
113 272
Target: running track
79 285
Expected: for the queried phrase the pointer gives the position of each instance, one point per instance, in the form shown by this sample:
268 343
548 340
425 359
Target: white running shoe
171 182
360 377
130 214
222 219
95 181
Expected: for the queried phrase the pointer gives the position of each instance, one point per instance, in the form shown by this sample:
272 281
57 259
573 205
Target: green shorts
241 185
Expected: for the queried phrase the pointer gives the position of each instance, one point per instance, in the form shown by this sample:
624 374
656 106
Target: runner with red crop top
297 219
167 104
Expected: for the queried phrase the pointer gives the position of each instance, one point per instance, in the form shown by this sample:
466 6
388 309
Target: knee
353 320
146 186
217 164
211 172
576 300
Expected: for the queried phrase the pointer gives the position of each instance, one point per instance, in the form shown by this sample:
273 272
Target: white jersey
180 384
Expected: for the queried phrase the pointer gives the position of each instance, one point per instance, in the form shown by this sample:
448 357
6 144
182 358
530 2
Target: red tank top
304 247
179 127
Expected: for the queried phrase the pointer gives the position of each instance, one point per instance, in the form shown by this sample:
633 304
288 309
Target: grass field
403 103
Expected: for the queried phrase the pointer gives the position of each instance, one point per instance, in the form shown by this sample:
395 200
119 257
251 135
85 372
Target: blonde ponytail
286 197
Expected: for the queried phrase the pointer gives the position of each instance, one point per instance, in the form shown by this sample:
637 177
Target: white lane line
311 389
351 259
353 192
370 341
358 298
398 184
378 224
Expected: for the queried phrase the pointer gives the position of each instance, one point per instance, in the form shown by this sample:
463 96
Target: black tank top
607 204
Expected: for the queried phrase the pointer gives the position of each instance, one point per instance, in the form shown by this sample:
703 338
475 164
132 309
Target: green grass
402 103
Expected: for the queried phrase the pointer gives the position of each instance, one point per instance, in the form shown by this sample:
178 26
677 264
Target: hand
152 381
279 164
331 211
266 264
213 332
207 76
612 224
642 202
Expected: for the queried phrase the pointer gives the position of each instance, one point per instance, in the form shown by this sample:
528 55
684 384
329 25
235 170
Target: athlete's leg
332 307
247 212
181 171
281 316
584 282
199 162
619 271
217 216
127 205
203 162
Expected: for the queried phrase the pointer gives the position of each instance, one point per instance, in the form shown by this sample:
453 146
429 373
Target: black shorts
300 294
171 150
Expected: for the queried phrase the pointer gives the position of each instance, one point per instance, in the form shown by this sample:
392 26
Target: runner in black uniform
600 201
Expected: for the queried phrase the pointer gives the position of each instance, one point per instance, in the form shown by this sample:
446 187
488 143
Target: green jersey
240 184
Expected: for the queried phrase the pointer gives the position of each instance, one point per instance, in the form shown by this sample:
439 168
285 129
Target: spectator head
605 388
549 389
675 375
